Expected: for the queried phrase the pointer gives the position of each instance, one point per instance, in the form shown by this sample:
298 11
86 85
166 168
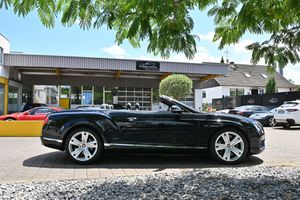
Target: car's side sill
52 139
119 145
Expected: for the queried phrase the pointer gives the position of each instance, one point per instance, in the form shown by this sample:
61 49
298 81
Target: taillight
46 121
292 110
240 113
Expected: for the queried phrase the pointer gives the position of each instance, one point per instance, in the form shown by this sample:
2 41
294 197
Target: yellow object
21 128
4 82
64 103
210 76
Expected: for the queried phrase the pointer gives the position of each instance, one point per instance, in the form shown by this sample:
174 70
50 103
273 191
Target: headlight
258 126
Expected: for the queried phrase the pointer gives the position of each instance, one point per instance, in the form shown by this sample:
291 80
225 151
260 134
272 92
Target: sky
28 35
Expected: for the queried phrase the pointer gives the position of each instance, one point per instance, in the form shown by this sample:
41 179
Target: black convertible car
85 135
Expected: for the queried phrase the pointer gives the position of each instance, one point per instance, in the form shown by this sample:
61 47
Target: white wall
198 99
212 93
4 43
283 89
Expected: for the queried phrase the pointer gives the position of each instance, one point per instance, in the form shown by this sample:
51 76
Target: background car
33 105
288 114
38 113
248 110
265 118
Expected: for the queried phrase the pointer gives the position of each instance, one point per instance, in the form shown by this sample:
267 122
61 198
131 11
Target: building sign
147 65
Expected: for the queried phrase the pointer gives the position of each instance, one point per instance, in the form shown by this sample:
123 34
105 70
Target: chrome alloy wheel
83 146
272 122
229 146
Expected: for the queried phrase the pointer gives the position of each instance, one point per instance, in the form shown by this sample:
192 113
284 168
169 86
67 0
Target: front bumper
257 145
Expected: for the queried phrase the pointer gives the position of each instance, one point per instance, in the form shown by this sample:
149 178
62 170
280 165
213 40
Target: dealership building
71 81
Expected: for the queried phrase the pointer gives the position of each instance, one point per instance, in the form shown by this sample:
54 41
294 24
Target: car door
36 114
158 128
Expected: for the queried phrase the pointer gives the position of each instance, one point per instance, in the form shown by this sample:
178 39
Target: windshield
289 104
169 102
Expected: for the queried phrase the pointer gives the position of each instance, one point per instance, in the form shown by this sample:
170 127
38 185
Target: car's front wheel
272 122
83 146
229 146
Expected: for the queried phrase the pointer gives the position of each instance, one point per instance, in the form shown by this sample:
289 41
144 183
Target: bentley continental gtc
85 135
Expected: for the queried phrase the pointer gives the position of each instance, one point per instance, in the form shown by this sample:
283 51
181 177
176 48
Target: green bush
271 85
176 86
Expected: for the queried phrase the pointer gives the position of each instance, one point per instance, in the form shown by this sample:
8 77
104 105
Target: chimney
281 70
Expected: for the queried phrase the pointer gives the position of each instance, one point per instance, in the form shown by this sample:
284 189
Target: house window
1 55
236 91
264 76
247 74
261 91
203 94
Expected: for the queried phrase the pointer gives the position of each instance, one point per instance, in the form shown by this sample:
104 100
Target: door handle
131 119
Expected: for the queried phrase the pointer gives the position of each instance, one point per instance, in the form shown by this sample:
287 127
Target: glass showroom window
98 95
13 97
108 97
76 95
2 91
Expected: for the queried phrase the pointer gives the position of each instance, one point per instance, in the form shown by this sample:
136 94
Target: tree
176 86
271 85
222 60
167 25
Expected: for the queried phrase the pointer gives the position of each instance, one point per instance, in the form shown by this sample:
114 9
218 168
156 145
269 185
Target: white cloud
240 48
202 55
208 36
115 50
292 72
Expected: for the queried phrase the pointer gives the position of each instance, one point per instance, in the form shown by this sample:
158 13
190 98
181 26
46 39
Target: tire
272 122
77 148
229 153
10 119
287 125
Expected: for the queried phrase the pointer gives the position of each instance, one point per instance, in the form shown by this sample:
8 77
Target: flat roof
76 62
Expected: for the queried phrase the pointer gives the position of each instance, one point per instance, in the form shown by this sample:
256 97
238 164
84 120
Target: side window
41 111
31 112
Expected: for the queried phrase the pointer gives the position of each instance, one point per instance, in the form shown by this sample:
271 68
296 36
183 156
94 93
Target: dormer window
264 76
247 74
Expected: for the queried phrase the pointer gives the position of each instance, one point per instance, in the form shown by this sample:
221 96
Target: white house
242 80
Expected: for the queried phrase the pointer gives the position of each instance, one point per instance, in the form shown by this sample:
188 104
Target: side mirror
176 109
25 113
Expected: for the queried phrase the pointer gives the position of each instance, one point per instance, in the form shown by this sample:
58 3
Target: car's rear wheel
272 122
84 146
229 146
287 125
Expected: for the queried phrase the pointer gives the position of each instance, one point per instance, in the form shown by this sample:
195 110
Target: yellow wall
21 128
4 82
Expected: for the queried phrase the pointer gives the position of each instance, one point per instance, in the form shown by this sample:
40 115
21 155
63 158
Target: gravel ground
214 183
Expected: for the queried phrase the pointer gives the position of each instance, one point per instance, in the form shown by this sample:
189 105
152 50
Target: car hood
224 116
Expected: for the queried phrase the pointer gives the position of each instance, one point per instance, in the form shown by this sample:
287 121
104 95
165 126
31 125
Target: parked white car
288 114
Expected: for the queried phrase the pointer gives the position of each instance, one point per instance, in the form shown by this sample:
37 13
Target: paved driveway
25 159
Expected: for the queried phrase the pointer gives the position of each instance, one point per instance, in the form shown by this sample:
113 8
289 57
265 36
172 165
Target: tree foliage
168 27
271 85
176 86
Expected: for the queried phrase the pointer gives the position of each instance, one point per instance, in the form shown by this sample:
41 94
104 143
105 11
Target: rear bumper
52 143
